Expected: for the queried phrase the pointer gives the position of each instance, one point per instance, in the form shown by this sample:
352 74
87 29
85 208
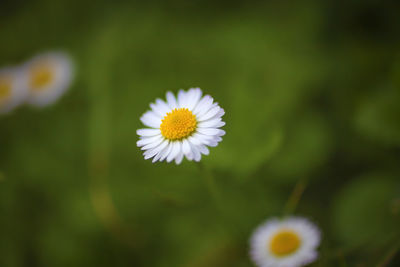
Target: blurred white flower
13 90
290 242
182 126
48 76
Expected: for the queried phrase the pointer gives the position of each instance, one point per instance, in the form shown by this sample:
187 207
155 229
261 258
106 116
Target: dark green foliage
311 91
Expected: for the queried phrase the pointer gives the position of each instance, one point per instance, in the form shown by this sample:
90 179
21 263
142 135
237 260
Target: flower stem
210 183
342 259
295 197
99 143
389 255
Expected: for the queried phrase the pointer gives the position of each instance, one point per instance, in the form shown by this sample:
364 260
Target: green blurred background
311 91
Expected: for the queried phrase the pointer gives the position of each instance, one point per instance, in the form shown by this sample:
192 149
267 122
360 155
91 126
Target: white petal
186 147
152 113
201 138
196 153
204 150
220 113
147 140
148 132
194 140
171 100
196 95
209 131
161 104
165 152
197 156
210 123
214 123
220 124
203 106
190 155
212 143
150 119
151 152
211 113
157 110
157 157
176 148
161 147
179 158
221 133
182 99
186 99
206 139
153 144
190 97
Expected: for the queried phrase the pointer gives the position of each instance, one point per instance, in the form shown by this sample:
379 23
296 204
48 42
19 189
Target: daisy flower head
48 76
13 91
182 126
290 242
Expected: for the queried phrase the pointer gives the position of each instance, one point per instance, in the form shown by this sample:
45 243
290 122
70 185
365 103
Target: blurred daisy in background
13 90
290 242
181 127
48 76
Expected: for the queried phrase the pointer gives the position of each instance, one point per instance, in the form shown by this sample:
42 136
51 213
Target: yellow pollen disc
5 88
178 124
284 243
41 76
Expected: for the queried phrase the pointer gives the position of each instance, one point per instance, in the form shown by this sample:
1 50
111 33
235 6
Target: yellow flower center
284 243
178 124
41 75
5 88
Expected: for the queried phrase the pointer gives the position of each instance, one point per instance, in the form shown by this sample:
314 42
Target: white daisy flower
290 242
13 91
181 127
49 75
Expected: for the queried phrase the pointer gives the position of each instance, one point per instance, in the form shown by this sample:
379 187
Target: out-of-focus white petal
60 70
261 249
13 89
